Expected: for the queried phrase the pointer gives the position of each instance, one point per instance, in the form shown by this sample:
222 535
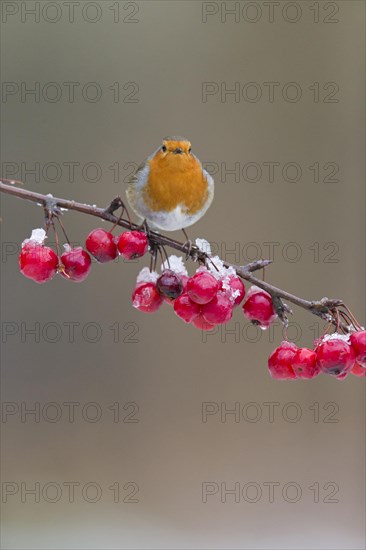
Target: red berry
358 342
169 284
280 361
185 308
304 363
219 310
358 370
200 323
335 356
146 297
258 307
101 244
38 262
132 244
76 264
202 287
234 287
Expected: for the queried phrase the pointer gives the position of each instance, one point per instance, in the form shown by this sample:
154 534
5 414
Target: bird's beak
178 151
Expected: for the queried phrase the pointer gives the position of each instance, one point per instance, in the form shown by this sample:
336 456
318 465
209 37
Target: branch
325 308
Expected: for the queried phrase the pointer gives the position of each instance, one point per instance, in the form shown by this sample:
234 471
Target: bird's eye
190 149
163 148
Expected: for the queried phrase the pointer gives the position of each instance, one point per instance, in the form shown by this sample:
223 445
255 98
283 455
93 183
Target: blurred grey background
129 445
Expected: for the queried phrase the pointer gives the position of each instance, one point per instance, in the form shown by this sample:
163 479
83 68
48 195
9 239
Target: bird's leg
187 244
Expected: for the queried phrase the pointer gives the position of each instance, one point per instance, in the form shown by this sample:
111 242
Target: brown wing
133 192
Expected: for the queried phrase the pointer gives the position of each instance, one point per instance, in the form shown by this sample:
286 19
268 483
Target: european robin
171 190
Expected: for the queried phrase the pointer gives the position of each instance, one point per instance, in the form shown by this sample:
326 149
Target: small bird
170 189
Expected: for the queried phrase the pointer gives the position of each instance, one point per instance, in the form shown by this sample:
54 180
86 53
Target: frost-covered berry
202 287
75 263
358 343
201 323
358 370
334 355
36 261
102 245
219 310
258 307
234 287
280 361
132 244
304 363
169 284
146 297
185 308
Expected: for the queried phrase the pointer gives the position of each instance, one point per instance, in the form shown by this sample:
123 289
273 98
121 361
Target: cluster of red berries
203 300
40 263
335 354
206 299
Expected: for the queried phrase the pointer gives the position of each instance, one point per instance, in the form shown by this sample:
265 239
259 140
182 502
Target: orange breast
175 180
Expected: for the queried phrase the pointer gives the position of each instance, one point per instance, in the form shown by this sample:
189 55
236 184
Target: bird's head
175 147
